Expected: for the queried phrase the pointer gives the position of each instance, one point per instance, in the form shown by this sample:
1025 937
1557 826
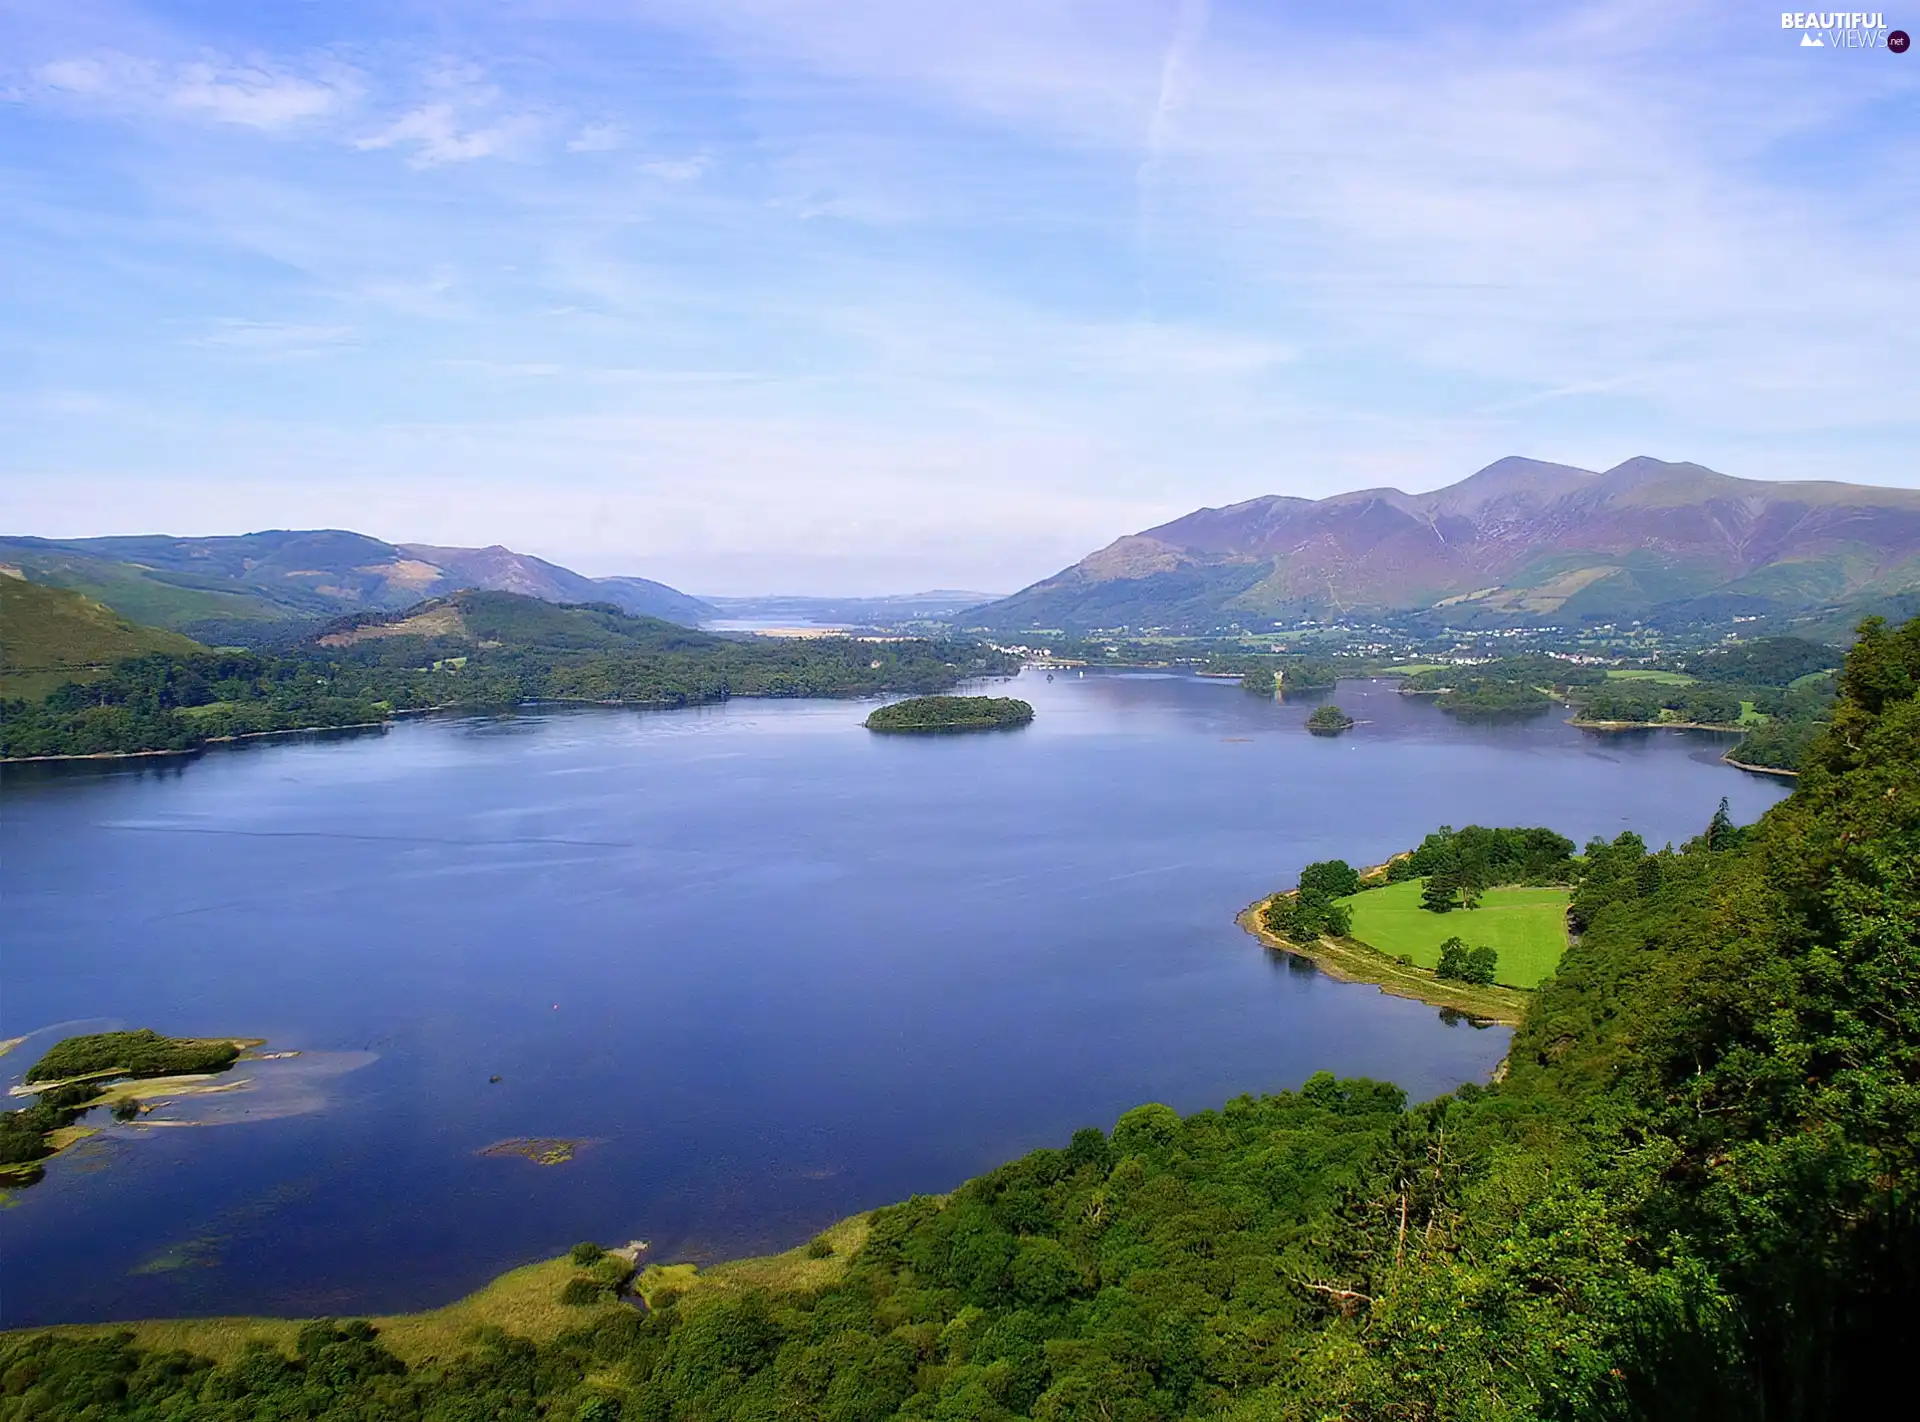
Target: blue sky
758 295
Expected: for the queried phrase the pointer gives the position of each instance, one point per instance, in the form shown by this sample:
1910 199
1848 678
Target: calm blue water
776 969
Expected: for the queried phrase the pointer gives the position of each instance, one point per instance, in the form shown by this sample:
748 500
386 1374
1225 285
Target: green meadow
1526 927
1662 678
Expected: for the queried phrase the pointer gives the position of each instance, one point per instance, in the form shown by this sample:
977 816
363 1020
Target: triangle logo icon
1809 42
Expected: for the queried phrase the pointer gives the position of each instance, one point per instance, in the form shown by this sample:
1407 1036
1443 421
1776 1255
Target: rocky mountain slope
1521 542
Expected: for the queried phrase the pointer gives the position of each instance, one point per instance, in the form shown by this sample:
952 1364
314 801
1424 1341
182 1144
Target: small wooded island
111 1069
1329 721
941 714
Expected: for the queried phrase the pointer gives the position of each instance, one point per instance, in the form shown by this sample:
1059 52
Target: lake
770 968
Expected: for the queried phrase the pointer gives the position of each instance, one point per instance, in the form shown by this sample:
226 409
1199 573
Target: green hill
510 621
53 635
260 588
150 596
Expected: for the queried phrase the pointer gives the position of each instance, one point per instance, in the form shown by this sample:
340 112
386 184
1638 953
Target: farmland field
1663 678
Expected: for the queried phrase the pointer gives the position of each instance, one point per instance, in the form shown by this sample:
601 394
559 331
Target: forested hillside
482 650
1692 1196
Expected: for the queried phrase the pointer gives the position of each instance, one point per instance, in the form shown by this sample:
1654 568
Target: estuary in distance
768 968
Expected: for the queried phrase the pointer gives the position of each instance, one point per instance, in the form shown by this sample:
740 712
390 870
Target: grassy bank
1354 962
1527 927
524 1301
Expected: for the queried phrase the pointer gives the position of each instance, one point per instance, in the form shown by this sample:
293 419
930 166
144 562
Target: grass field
1665 678
525 1301
1526 927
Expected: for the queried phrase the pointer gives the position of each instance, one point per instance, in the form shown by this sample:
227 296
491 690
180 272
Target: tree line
173 703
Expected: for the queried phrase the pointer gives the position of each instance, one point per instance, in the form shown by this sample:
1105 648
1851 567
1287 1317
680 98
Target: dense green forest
1693 1195
1485 696
1766 661
1508 686
1481 856
1257 673
951 713
140 1053
475 650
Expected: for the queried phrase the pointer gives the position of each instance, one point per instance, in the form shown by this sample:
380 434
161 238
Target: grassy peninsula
1468 920
936 715
1692 1195
99 1071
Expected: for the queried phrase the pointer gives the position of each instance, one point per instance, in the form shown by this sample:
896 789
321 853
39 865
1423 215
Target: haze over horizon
757 297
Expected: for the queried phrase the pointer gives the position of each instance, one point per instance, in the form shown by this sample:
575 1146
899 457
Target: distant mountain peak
1530 539
1515 479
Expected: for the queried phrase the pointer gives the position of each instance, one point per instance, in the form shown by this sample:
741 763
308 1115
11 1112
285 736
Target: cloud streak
256 94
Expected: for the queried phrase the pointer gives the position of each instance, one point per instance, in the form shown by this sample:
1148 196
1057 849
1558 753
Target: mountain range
1520 542
239 588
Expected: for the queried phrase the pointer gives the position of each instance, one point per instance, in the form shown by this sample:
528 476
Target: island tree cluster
1329 721
938 714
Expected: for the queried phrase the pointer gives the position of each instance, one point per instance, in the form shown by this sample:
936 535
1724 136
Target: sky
874 296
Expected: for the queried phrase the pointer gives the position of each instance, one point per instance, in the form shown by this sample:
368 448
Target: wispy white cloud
597 138
258 94
437 133
275 339
675 170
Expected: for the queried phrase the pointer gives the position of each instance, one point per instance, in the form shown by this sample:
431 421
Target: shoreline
1350 961
524 1300
213 741
1610 726
392 716
1617 727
